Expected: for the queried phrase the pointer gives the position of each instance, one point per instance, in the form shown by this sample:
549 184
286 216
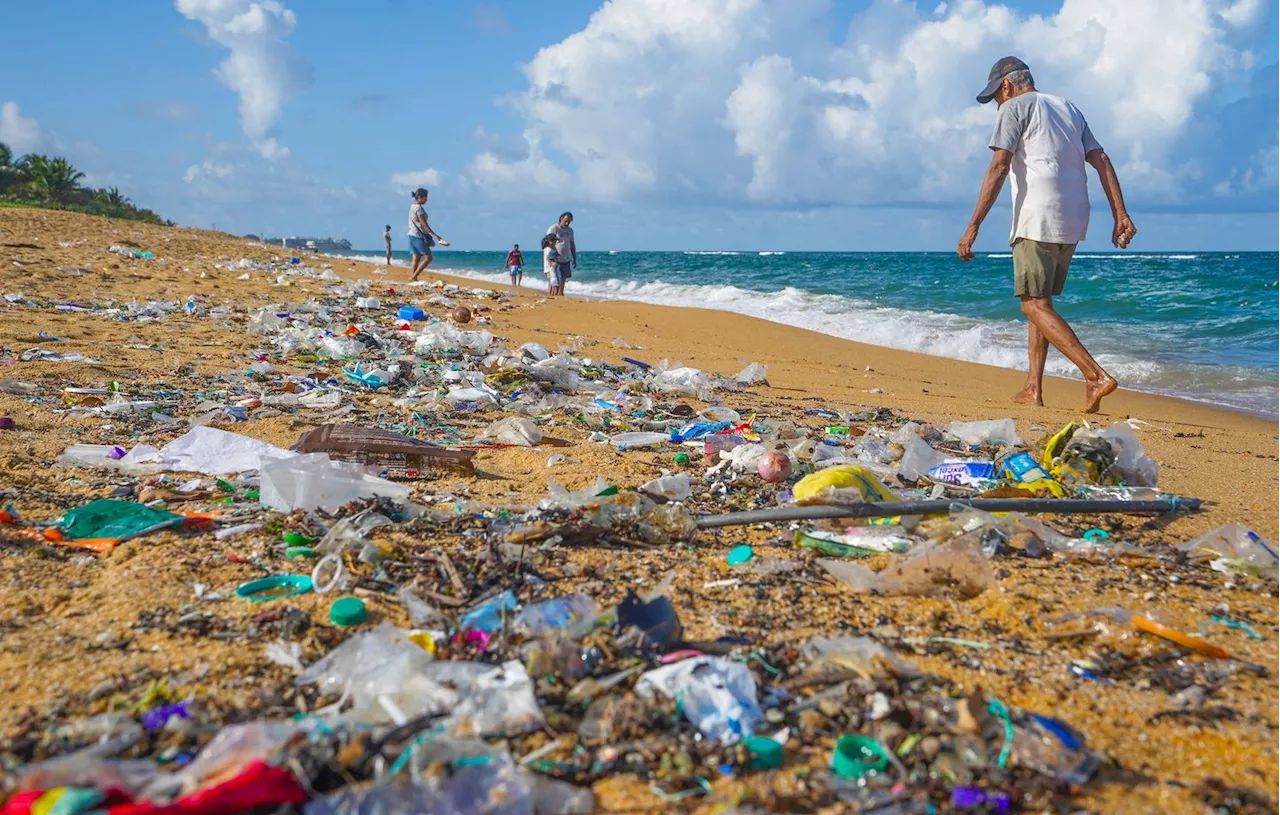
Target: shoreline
476 277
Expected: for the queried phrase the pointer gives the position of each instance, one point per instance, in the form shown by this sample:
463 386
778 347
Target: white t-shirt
564 239
549 260
415 231
1049 138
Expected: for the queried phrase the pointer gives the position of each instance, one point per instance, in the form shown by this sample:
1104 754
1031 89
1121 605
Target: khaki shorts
1040 269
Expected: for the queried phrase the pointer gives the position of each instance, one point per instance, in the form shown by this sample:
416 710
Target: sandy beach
73 620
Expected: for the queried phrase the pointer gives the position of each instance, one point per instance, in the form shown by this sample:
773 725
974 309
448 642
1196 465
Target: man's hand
965 248
575 263
1123 233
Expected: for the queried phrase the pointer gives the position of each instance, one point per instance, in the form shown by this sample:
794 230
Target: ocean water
1199 325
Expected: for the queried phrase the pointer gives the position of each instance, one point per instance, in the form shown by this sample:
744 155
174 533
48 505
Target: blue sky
788 124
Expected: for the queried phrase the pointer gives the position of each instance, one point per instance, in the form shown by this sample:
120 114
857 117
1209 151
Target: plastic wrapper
384 674
918 458
717 695
500 703
513 430
690 381
994 432
671 487
312 481
958 568
860 654
1235 548
753 374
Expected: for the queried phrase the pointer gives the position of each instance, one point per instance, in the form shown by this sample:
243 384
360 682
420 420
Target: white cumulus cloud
413 179
261 67
20 133
726 100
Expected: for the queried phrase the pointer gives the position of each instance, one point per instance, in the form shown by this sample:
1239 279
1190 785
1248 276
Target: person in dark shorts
1044 142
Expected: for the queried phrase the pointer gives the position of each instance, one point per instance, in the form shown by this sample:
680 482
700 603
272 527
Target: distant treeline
42 181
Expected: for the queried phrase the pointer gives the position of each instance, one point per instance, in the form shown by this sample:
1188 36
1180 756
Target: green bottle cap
856 756
739 555
347 611
766 754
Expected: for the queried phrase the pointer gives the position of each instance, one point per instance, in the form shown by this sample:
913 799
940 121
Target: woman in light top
421 236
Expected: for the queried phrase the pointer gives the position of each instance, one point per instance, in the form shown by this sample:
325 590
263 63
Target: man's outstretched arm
992 183
1124 229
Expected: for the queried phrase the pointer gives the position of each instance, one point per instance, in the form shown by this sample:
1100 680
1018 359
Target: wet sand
78 622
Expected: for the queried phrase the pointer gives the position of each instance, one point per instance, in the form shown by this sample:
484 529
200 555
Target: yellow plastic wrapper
1044 486
843 478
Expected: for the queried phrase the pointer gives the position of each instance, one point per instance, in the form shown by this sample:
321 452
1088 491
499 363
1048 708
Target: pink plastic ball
775 467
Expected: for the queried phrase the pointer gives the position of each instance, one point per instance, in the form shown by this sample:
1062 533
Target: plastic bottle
671 487
560 613
633 441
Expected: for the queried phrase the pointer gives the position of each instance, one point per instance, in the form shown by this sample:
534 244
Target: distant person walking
386 237
566 248
1044 141
421 236
515 265
551 265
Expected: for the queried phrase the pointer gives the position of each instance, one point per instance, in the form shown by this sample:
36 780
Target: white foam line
1001 343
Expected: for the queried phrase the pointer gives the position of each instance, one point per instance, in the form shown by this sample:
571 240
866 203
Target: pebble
880 707
1190 698
103 689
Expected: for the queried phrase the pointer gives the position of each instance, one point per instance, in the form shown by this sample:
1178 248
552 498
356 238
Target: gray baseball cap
1003 67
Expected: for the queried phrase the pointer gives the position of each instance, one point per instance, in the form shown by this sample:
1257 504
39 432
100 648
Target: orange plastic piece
1196 644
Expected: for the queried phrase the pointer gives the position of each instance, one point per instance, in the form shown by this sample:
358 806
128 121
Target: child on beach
515 265
551 265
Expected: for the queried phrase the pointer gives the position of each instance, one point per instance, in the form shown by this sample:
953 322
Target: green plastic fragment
120 520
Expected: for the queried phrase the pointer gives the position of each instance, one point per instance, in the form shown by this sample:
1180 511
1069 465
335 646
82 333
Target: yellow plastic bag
843 478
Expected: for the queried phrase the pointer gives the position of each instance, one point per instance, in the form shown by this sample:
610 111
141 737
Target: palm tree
50 180
111 197
8 173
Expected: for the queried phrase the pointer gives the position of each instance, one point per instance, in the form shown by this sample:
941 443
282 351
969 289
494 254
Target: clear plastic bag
717 695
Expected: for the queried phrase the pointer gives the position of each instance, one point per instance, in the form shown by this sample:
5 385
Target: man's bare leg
1037 352
1098 383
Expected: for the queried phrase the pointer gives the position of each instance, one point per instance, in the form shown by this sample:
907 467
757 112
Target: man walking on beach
1044 141
515 265
421 236
566 248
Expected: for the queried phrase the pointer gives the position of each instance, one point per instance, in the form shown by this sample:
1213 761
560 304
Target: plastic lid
347 611
855 756
766 754
739 555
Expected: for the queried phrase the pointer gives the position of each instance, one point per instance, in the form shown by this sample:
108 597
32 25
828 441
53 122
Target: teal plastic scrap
120 520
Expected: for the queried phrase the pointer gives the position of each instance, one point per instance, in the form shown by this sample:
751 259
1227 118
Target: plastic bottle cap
739 555
682 458
766 754
273 588
855 756
347 611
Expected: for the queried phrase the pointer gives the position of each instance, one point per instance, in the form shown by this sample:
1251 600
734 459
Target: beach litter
459 646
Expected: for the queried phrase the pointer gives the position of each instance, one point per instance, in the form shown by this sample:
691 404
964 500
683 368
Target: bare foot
1094 391
1026 396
